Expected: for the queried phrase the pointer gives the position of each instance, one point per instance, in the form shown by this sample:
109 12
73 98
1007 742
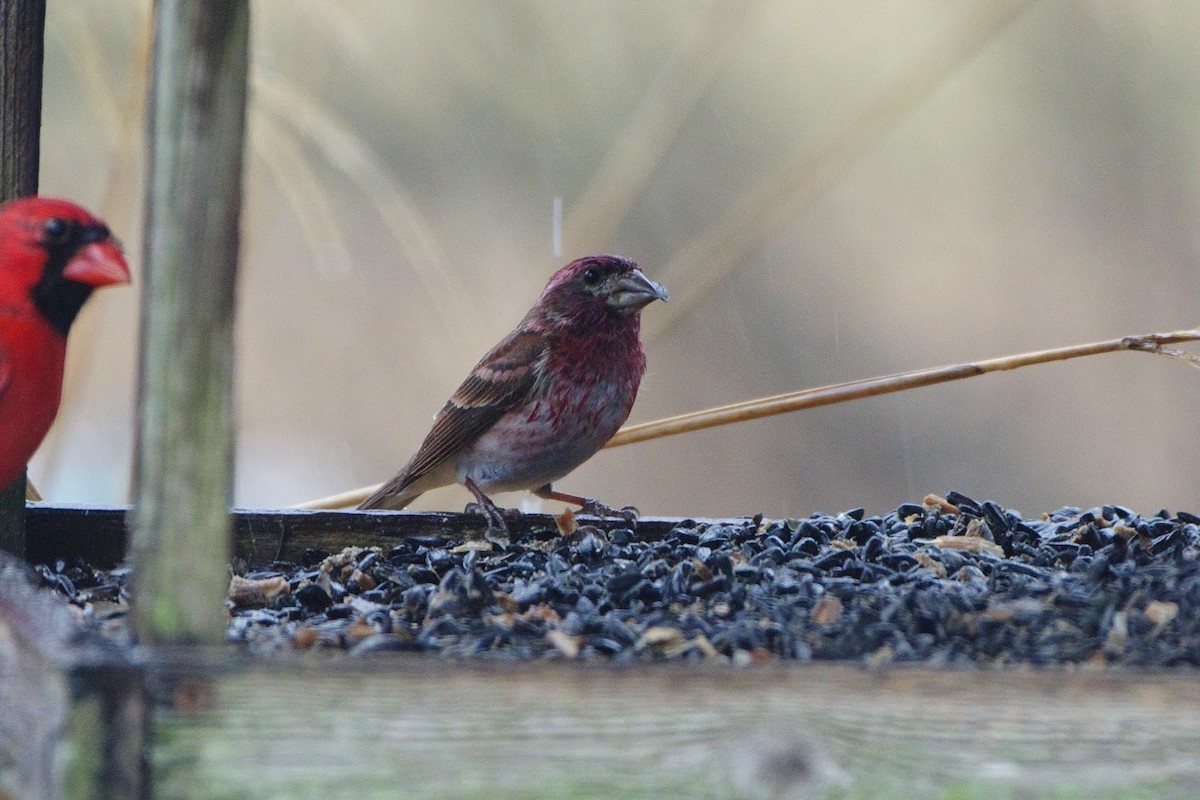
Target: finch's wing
502 380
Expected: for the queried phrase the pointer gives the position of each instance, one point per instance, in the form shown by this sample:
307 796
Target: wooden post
107 730
184 458
21 26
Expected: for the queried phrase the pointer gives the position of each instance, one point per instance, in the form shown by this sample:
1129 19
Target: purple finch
544 399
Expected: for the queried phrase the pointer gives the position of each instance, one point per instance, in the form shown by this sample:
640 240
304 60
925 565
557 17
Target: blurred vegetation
826 189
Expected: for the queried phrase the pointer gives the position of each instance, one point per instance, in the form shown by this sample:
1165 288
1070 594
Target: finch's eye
591 276
55 231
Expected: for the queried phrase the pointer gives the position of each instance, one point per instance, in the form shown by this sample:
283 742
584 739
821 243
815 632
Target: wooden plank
184 463
98 534
412 727
264 536
95 534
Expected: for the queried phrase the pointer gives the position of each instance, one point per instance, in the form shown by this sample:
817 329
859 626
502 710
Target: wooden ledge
298 726
261 536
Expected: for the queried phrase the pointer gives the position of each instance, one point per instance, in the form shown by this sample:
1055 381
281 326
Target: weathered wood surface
319 725
107 729
98 534
410 727
183 469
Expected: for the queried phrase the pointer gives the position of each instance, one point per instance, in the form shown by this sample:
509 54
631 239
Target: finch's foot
598 509
498 519
588 505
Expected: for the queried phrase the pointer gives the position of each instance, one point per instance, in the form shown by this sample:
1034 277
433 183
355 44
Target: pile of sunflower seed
949 581
945 582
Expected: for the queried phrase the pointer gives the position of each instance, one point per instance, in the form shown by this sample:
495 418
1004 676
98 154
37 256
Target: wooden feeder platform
204 722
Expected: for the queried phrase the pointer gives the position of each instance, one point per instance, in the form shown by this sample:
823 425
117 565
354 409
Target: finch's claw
588 505
498 519
497 536
598 509
496 531
497 525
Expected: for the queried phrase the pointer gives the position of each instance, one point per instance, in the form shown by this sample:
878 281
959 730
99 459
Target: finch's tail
392 496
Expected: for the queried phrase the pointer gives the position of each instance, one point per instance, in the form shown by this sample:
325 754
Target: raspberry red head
589 289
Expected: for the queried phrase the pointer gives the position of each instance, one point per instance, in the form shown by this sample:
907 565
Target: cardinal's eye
97 232
55 230
591 276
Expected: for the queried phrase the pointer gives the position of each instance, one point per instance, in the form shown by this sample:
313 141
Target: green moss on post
21 25
184 459
105 733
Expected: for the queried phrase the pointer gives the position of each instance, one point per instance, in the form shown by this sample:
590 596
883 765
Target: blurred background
830 191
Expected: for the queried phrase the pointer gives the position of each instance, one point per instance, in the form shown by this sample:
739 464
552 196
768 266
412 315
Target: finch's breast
547 438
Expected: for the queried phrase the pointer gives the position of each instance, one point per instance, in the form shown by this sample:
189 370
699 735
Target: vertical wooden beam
184 457
106 732
21 26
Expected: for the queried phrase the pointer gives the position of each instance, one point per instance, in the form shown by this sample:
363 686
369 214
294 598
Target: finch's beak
635 291
98 264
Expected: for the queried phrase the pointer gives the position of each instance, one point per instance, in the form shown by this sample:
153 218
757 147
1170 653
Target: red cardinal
546 398
52 255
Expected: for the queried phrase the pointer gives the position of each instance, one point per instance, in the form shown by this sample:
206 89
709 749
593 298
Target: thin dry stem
701 264
664 110
120 125
279 151
872 387
349 499
853 390
1191 359
420 252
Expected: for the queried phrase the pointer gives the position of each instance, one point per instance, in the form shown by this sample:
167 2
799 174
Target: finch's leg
497 525
587 505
